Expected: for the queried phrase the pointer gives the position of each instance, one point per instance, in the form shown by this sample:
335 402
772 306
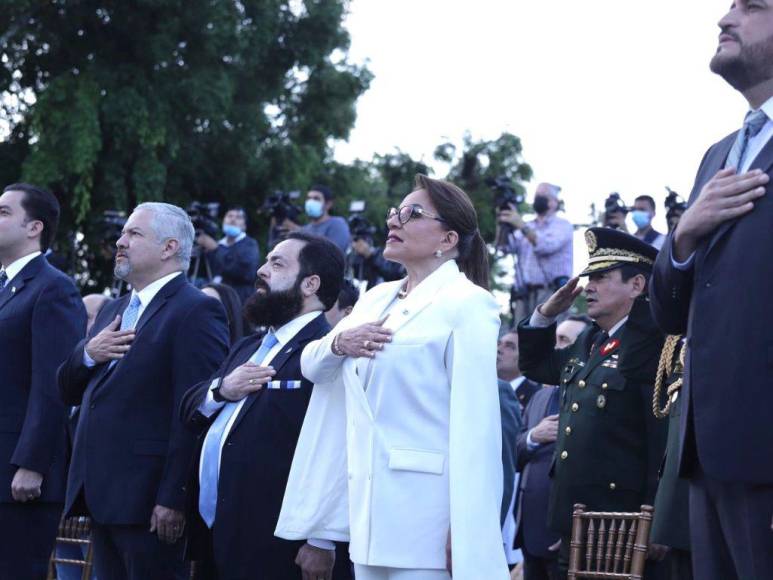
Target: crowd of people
277 422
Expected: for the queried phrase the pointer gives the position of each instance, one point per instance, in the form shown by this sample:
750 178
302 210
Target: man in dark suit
41 320
249 416
131 453
534 449
509 371
713 281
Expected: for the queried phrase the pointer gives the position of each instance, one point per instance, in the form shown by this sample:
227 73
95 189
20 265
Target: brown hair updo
455 207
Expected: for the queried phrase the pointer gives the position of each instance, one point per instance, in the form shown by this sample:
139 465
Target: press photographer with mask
367 262
543 248
319 201
642 213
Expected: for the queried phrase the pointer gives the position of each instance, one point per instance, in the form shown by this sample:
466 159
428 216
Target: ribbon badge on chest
610 346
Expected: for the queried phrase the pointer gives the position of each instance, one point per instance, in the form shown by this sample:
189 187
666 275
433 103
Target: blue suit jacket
254 466
41 319
722 304
131 452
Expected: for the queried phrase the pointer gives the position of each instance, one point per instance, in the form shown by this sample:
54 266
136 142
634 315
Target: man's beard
122 269
751 67
274 308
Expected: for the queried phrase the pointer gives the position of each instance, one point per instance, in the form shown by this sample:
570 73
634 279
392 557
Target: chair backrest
609 545
74 531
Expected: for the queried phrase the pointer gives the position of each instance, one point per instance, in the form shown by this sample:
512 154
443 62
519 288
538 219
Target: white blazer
420 427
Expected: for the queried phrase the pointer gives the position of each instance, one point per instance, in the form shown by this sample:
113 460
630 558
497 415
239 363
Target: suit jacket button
564 455
581 384
575 407
605 386
568 430
612 486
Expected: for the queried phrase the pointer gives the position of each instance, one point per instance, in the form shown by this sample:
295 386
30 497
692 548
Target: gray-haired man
131 453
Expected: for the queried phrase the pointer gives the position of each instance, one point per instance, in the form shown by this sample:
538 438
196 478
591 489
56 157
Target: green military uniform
671 523
609 443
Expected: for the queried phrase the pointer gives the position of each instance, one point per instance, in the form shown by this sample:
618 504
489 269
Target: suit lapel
311 330
19 281
105 370
763 161
159 300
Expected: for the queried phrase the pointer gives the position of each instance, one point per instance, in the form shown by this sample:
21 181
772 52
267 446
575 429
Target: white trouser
381 573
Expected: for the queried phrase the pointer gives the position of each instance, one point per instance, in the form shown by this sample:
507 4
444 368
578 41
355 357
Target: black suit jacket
254 466
131 452
41 319
722 303
534 484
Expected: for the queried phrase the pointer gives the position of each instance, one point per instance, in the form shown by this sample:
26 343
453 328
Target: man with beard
543 249
713 281
131 453
249 416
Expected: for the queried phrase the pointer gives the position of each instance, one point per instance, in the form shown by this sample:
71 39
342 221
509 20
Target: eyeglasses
408 212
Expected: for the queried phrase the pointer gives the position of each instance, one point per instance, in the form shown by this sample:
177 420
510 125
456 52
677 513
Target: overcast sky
608 95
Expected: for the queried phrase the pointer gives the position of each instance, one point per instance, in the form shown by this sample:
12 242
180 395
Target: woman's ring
252 381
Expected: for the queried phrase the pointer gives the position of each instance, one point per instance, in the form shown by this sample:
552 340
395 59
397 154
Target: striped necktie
752 125
3 279
210 463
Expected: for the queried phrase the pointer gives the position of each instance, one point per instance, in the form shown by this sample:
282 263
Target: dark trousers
730 529
539 568
28 535
679 564
133 553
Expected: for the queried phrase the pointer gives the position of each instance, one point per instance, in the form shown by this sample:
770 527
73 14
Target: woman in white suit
404 420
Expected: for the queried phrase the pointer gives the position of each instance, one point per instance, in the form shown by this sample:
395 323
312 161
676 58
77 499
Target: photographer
543 248
675 207
615 212
319 201
367 263
642 213
233 260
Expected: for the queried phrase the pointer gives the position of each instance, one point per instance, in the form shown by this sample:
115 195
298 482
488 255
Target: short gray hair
172 223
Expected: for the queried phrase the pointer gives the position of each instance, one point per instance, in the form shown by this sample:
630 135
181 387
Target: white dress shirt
145 295
17 266
283 336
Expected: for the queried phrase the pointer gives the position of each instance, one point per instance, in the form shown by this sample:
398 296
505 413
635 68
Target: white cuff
530 444
209 406
686 265
88 362
539 320
321 544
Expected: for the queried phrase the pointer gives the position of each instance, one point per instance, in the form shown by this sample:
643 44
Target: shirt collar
515 383
15 267
617 326
224 241
767 106
149 292
287 332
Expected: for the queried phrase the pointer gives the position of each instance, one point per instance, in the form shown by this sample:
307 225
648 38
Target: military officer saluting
609 443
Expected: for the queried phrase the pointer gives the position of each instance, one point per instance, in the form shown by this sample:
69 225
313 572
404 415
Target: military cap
609 249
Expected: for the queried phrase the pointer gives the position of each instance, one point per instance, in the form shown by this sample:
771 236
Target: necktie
129 318
3 279
752 125
210 464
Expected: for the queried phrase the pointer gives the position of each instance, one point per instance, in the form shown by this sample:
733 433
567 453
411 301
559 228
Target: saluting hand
726 196
111 343
562 299
364 340
245 379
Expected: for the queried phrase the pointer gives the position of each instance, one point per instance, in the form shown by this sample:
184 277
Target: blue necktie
3 279
210 464
752 125
129 317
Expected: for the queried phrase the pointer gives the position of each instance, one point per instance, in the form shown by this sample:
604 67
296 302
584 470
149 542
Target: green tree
111 103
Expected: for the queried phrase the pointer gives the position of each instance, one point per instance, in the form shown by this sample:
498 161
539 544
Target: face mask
541 205
231 231
314 208
641 218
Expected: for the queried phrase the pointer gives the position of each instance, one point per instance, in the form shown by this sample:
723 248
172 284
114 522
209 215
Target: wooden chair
74 531
609 545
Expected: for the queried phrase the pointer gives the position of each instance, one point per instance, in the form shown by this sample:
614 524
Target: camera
674 202
506 196
204 217
111 225
614 204
359 226
280 206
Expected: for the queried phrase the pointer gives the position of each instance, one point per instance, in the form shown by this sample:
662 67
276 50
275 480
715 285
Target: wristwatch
217 395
